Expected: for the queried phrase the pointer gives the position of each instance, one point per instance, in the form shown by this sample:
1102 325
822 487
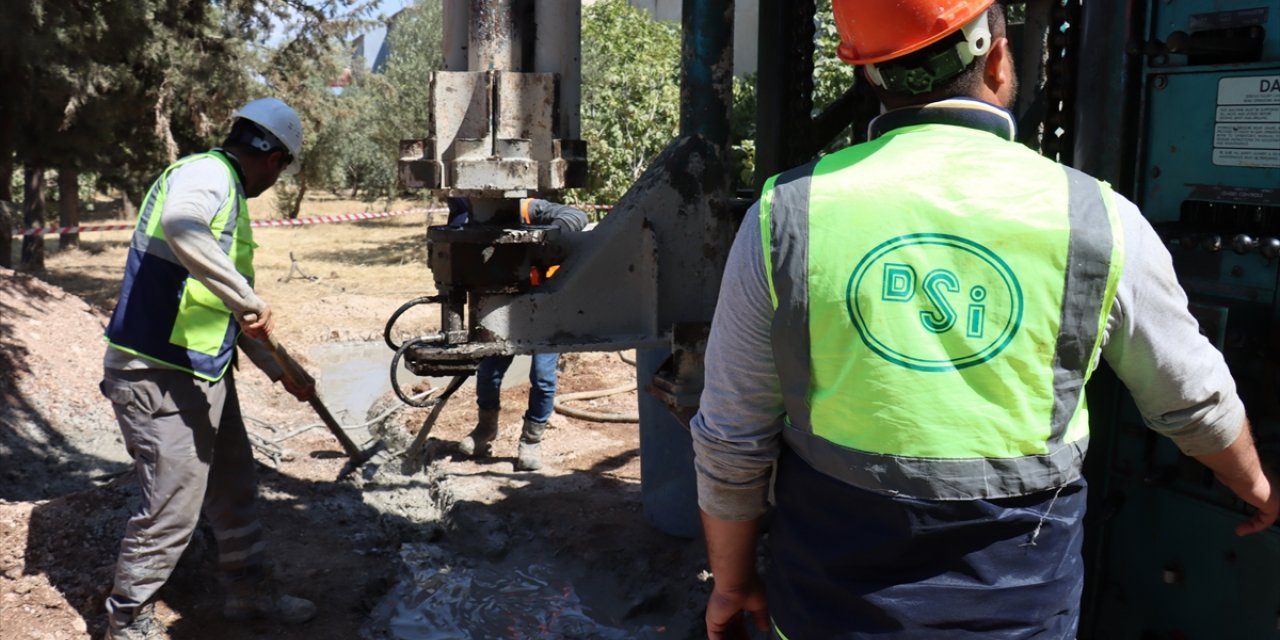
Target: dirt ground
461 549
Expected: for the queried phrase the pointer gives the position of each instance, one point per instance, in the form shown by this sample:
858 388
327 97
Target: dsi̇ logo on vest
934 302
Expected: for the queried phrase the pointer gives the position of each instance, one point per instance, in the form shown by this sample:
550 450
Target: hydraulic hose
596 416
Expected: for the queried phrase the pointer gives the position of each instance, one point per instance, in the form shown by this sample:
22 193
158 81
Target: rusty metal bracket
679 380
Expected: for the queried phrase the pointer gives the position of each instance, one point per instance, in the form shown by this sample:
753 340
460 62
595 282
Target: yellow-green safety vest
933 334
167 316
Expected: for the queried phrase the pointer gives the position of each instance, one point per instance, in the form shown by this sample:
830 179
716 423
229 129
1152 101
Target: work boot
144 626
529 457
263 600
480 442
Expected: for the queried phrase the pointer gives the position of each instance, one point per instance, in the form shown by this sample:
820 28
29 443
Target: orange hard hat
873 31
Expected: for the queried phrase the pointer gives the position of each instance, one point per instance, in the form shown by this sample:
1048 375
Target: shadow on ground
326 543
585 527
411 249
37 460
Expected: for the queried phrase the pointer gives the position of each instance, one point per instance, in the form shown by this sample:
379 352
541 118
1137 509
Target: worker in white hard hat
184 307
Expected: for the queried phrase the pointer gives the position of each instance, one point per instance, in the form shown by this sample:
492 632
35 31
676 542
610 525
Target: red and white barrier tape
275 222
343 217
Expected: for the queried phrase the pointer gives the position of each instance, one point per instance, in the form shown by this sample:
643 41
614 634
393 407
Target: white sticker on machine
1247 131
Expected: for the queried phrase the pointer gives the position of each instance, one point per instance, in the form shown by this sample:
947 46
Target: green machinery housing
1180 109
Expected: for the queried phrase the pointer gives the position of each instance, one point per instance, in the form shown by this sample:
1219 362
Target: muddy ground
459 549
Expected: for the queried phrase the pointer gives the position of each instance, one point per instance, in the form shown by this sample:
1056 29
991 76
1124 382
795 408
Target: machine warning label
1246 158
1247 135
1252 90
1247 131
1259 113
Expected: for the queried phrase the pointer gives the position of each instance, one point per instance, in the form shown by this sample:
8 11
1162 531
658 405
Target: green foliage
742 131
415 52
119 88
352 159
631 95
831 76
359 141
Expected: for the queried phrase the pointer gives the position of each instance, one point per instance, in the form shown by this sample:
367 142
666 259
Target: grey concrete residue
439 597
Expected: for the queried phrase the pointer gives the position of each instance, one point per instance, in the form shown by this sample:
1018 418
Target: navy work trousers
850 564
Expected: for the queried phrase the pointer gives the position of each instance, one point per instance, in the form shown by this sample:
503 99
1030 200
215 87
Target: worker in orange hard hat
901 343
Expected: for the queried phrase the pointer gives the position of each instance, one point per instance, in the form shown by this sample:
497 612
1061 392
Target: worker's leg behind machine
542 395
489 375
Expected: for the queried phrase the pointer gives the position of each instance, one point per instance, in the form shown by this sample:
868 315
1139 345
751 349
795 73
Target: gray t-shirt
1179 381
196 192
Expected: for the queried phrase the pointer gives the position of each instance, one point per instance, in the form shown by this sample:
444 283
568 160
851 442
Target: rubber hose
594 416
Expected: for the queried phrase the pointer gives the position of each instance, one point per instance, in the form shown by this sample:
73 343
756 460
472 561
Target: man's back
929 318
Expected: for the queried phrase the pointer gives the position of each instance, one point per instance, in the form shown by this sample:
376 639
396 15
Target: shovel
296 374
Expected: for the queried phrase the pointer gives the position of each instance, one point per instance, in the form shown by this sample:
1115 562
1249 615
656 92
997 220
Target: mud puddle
353 376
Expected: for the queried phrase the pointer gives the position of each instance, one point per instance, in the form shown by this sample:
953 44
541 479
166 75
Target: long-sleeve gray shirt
569 219
1179 381
196 192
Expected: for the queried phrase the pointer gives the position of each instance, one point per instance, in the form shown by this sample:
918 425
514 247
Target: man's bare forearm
1239 468
731 550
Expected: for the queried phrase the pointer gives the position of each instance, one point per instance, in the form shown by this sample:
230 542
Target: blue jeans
542 384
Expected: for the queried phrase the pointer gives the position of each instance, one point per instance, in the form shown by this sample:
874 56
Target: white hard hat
276 118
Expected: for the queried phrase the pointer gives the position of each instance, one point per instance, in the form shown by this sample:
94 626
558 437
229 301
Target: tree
631 95
119 88
33 216
831 76
303 69
377 110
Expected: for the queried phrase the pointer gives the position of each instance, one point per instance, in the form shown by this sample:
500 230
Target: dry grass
359 272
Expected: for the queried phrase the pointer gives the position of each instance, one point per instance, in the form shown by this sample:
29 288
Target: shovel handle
292 369
297 374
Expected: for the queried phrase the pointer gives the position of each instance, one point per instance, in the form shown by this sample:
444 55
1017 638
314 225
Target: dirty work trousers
542 384
853 564
190 451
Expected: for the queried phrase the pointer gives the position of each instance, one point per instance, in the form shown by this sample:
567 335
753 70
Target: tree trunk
8 215
6 152
6 172
127 210
7 218
68 206
33 216
295 207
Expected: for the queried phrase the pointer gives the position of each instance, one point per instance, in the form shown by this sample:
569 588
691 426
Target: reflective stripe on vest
933 331
167 316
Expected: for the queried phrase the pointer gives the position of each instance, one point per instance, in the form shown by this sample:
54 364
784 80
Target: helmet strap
255 137
939 67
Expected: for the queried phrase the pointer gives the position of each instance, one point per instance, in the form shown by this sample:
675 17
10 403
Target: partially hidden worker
188 287
904 332
542 370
